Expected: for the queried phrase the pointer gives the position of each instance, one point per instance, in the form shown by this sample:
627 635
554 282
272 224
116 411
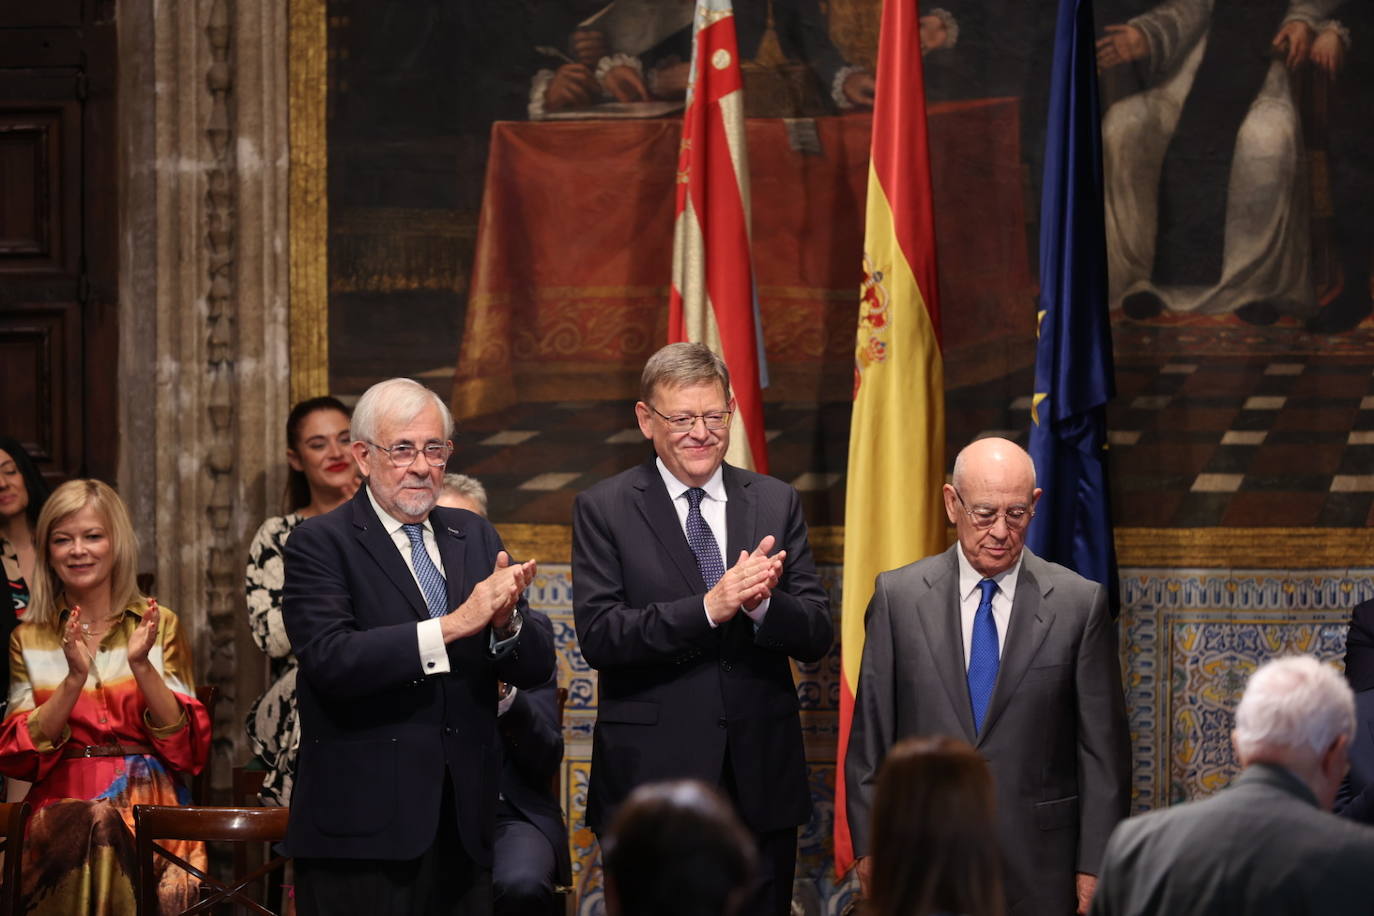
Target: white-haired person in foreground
1267 843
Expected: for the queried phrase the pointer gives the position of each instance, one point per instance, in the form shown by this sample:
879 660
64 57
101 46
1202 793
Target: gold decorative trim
1245 548
545 543
1136 548
308 43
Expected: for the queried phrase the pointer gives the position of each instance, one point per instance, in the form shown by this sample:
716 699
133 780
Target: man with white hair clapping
1266 844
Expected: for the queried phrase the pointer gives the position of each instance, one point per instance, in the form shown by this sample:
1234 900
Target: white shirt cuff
433 652
506 701
758 613
709 622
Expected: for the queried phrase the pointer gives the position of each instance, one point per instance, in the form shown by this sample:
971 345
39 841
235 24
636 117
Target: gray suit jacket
1055 733
1257 848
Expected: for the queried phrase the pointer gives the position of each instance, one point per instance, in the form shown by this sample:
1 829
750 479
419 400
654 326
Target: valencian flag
713 299
894 513
1074 378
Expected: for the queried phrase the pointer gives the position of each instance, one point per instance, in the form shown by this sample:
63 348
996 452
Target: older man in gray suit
989 643
1265 846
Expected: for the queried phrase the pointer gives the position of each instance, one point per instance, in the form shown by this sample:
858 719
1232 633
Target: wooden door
58 335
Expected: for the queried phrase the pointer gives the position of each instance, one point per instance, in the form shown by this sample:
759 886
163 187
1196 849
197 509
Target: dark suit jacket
1055 733
532 750
674 693
1257 848
377 735
1355 799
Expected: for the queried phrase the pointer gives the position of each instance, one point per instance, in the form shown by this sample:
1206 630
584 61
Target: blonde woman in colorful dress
322 477
102 711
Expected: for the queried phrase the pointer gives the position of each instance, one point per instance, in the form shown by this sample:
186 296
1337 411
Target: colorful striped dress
79 852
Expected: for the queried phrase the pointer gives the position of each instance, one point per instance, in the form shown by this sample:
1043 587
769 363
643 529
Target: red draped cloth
574 253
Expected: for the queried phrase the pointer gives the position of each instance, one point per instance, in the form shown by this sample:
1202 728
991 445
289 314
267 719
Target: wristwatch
512 627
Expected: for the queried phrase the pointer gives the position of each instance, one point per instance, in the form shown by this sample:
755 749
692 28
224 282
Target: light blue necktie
702 541
431 580
982 656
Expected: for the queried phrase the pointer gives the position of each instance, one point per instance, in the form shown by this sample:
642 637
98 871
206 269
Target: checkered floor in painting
1248 442
1244 441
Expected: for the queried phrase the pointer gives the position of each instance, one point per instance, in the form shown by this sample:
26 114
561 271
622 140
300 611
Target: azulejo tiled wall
1189 640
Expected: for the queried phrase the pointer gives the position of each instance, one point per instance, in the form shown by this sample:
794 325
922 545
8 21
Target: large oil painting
500 178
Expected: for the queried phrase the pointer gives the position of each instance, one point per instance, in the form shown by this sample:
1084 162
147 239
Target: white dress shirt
429 633
713 513
970 595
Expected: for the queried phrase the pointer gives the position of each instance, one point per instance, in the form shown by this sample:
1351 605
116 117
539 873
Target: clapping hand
493 600
74 648
145 635
747 583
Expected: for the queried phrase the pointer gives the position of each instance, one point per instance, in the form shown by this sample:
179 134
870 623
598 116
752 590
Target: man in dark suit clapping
404 618
690 617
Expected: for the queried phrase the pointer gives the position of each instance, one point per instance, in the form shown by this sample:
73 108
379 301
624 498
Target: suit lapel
740 515
651 499
372 536
1031 617
938 610
452 552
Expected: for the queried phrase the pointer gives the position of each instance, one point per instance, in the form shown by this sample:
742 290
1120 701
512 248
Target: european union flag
1074 376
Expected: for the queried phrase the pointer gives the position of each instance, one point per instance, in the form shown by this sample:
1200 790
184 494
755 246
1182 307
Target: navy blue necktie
702 541
426 573
982 656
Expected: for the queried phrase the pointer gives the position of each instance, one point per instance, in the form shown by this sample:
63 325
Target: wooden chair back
246 786
14 819
208 694
204 824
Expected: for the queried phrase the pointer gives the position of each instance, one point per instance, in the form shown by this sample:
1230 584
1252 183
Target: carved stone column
203 314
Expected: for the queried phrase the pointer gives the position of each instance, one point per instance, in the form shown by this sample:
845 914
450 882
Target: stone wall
203 314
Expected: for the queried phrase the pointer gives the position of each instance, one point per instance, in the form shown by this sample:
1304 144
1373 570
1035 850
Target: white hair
1293 704
398 400
466 487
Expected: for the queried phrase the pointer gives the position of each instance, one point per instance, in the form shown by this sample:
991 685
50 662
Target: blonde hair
72 497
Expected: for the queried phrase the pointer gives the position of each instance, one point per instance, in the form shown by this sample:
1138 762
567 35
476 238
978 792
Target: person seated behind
118 715
1355 799
1267 844
322 478
531 854
677 849
934 833
22 494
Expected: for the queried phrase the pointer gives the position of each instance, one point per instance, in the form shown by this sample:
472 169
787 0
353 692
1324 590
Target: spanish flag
893 510
713 300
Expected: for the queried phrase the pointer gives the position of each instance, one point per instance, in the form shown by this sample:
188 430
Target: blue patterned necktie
702 541
430 579
982 657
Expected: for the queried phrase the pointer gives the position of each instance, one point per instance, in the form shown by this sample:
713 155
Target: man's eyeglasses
681 423
403 455
983 517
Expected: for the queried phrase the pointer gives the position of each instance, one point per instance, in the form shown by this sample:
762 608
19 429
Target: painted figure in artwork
638 50
1208 207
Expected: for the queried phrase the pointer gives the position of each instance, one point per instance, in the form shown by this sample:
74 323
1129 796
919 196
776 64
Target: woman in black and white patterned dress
322 477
